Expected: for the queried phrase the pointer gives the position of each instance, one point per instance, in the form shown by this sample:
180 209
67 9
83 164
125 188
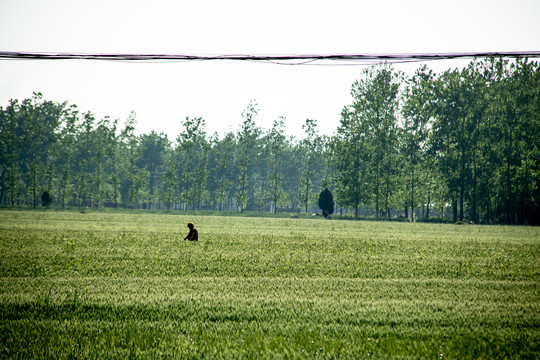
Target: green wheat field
111 285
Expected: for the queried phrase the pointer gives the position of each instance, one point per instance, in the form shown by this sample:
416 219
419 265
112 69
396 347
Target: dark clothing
193 235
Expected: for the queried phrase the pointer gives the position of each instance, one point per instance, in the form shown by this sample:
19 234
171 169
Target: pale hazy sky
163 94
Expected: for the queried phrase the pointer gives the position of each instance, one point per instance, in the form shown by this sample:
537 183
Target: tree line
461 145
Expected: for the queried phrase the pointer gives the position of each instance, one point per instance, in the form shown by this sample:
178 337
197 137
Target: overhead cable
342 59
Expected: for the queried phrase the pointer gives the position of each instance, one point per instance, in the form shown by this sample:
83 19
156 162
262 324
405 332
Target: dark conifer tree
326 202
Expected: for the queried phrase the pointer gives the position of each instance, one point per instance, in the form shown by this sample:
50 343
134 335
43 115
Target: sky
163 94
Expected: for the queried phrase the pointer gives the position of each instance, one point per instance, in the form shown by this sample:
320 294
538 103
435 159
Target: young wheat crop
118 285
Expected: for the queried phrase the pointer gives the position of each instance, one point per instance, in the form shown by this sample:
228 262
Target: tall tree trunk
386 210
474 201
462 182
461 200
509 210
412 193
428 204
454 207
377 191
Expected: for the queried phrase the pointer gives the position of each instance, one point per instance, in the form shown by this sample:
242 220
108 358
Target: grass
124 285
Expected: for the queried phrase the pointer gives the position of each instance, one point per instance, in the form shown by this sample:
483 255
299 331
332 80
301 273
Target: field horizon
125 285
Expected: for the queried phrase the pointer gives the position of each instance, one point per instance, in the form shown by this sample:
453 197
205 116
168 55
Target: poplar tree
308 150
368 138
193 159
276 151
417 117
248 137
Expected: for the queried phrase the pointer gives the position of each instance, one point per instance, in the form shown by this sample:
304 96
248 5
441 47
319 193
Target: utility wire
314 59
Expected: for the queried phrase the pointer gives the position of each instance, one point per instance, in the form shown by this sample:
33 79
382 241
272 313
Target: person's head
190 226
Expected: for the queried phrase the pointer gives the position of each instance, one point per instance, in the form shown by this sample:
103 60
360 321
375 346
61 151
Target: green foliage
275 140
418 112
461 145
223 158
326 202
46 199
192 153
310 149
119 285
366 146
246 150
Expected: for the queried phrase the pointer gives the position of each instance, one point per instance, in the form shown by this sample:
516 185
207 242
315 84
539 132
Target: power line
313 59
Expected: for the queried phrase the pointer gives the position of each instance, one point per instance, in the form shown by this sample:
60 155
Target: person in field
193 234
